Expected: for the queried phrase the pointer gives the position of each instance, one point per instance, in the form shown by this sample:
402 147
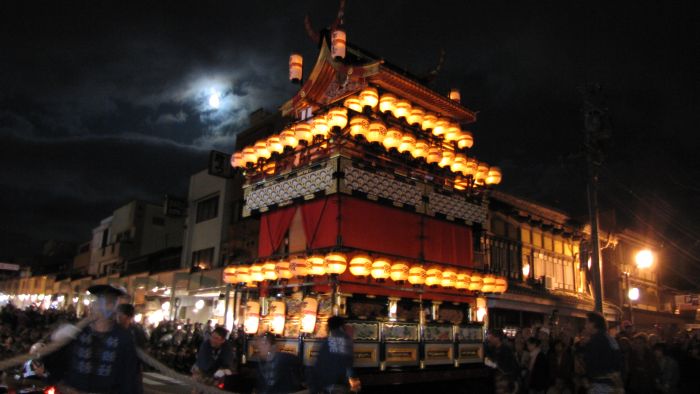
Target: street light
644 259
633 294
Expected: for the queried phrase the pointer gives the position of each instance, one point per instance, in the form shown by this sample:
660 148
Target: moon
215 99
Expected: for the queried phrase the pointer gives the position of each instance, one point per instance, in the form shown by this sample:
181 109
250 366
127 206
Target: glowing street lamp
633 294
644 259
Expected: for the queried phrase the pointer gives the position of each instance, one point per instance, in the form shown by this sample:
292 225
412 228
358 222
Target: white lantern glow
252 317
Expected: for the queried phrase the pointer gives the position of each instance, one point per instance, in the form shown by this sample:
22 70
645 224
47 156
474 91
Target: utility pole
596 129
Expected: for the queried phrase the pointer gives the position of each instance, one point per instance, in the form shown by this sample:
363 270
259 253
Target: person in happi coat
101 358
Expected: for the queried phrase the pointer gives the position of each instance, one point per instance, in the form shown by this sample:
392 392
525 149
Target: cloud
75 181
171 118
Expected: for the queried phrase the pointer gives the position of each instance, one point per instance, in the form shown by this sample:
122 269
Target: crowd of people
538 360
99 354
549 360
22 328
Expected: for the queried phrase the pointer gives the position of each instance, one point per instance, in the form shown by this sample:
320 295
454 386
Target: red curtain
447 242
273 227
371 226
320 219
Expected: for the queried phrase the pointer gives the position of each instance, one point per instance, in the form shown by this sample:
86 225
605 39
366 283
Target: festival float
371 205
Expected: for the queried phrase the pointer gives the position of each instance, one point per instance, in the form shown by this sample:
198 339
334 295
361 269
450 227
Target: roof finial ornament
432 74
313 33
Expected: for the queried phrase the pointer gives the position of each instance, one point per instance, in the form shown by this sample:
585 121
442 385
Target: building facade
136 229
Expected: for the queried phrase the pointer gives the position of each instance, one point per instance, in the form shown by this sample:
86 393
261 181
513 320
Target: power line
662 236
670 217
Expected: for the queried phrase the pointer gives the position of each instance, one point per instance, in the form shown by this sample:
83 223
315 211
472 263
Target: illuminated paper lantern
360 265
338 117
465 140
252 317
359 126
303 132
429 121
289 139
296 62
381 269
463 279
274 144
433 277
448 157
455 95
256 274
461 183
318 265
300 266
408 144
494 176
416 116
320 127
369 97
336 263
377 131
488 284
261 150
420 149
392 138
338 43
269 270
277 315
475 282
230 274
481 310
440 126
353 103
449 276
501 285
471 166
387 103
459 164
452 132
399 271
250 157
416 275
283 270
434 155
308 315
402 108
237 160
482 172
243 274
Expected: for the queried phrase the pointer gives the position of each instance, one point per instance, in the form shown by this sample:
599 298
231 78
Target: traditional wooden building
539 249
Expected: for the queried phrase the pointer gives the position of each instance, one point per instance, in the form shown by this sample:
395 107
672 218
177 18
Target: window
105 238
569 275
158 221
207 209
568 249
548 242
558 246
203 259
525 236
537 239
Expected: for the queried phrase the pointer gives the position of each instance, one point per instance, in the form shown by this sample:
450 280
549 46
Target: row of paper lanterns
318 128
402 108
363 265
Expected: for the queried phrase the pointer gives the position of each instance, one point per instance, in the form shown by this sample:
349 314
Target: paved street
154 383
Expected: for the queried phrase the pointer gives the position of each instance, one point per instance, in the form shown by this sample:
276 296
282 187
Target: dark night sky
103 103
